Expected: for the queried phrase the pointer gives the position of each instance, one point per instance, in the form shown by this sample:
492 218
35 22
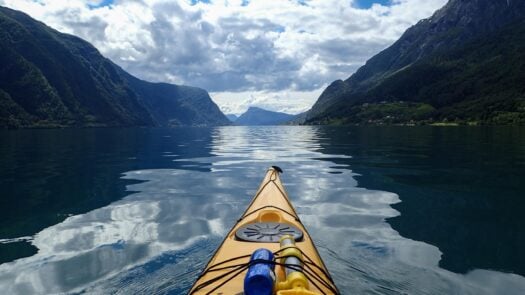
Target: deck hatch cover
267 232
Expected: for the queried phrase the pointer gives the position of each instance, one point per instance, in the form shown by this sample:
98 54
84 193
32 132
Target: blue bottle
260 278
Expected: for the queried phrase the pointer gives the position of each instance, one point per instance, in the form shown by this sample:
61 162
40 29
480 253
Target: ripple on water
158 238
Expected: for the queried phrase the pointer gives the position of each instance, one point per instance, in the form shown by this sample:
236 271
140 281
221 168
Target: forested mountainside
465 64
51 79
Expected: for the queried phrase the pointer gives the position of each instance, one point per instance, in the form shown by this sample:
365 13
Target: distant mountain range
257 116
231 117
51 79
465 64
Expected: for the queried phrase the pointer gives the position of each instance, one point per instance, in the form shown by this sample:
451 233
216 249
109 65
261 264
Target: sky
274 54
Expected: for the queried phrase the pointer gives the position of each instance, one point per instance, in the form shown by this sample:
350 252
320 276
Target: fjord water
412 210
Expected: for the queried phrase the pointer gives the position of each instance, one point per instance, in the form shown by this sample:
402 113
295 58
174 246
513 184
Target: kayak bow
268 251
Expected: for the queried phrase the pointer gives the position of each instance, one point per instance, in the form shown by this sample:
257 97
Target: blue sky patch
101 4
302 2
365 4
193 2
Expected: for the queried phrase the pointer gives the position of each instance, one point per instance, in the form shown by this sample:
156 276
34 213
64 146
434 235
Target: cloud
286 101
258 47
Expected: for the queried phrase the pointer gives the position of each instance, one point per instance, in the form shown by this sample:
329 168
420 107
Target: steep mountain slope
52 79
258 116
465 63
231 117
172 105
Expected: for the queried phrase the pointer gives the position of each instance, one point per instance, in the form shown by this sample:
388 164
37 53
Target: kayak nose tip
278 169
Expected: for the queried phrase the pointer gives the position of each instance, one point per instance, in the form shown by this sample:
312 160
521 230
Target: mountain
231 117
51 79
464 64
258 116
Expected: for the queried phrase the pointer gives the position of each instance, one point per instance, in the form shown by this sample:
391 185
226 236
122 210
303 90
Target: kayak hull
270 205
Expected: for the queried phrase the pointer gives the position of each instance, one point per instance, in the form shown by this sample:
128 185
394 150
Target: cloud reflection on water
157 238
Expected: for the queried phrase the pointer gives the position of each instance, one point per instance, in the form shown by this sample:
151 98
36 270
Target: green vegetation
396 112
49 79
387 113
11 114
452 75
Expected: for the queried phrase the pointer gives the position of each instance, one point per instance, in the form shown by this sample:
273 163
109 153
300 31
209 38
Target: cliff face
52 79
459 43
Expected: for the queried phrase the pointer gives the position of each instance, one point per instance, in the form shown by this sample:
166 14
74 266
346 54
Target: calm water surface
410 210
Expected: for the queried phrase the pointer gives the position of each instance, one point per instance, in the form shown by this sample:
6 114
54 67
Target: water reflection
461 188
46 175
157 238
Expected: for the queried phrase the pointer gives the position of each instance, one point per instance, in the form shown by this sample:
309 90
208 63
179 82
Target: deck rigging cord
237 269
313 272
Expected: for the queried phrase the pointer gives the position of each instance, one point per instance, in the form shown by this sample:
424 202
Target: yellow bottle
291 280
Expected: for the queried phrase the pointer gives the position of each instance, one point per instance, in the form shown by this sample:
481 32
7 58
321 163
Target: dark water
411 210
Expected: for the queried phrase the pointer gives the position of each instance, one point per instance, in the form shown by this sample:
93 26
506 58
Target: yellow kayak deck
270 205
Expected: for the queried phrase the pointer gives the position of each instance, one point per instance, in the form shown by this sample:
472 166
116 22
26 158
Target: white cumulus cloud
276 54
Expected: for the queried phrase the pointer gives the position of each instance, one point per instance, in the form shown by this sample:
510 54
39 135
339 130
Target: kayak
268 251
